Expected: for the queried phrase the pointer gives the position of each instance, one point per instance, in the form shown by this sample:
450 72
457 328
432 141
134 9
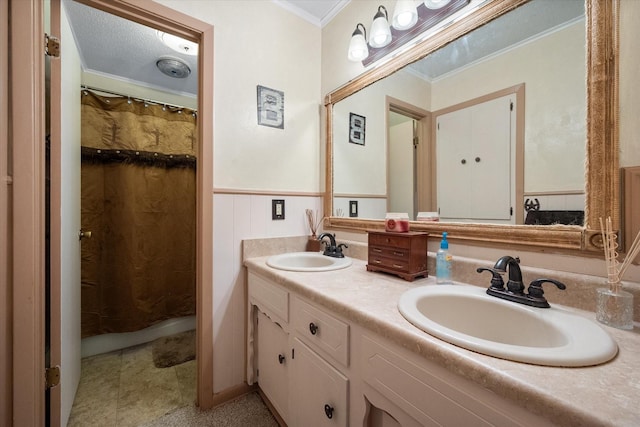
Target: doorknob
84 234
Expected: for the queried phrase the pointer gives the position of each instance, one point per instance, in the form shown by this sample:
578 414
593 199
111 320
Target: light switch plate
277 209
353 208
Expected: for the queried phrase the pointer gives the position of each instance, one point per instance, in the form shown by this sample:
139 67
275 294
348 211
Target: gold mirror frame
601 163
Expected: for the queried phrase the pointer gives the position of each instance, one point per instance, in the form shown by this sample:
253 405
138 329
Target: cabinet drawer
389 252
321 330
387 240
396 264
271 299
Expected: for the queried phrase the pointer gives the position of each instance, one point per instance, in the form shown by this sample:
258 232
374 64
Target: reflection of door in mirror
408 161
474 146
401 164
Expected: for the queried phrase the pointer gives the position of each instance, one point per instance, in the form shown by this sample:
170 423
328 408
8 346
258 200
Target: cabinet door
475 162
319 393
273 363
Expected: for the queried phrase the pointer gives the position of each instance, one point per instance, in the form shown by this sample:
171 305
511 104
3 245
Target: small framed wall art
270 107
357 126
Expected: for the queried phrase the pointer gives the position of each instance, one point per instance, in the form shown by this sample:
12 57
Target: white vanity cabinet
339 373
296 348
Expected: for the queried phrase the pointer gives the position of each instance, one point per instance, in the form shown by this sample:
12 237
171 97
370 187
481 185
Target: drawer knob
328 411
313 328
281 359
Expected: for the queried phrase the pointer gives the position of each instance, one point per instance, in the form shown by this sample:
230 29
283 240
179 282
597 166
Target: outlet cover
277 209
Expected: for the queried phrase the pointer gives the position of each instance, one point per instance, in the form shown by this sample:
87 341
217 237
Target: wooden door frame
422 175
518 161
26 235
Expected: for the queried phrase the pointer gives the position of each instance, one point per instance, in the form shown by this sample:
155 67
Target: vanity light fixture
358 49
411 22
380 33
178 43
405 15
436 4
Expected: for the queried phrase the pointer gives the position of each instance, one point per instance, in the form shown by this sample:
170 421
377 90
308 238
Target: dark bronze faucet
332 249
515 288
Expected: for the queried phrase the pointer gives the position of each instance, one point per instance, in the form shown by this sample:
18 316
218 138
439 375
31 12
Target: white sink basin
467 317
307 261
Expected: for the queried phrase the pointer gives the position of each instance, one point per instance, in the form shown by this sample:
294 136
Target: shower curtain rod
150 101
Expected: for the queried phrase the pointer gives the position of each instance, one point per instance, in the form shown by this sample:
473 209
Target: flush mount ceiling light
173 67
178 44
436 4
358 49
405 15
380 33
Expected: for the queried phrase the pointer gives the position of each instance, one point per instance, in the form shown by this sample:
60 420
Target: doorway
163 18
409 161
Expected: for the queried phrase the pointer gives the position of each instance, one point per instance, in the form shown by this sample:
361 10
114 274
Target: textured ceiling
526 22
128 51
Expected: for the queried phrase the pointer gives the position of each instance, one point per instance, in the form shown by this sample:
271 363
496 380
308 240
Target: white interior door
474 160
64 215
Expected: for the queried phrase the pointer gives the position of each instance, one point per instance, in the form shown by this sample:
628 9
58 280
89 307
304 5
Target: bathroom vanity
331 349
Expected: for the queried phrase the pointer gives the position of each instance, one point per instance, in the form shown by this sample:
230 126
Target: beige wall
363 169
258 43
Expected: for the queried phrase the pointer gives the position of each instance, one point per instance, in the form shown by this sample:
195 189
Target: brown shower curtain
138 200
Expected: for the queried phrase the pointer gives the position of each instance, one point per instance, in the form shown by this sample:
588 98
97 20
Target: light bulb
405 15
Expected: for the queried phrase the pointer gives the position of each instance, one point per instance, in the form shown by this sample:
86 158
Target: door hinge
511 211
293 353
511 106
52 377
51 46
416 141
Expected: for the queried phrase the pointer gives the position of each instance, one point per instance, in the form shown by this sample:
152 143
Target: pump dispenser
443 262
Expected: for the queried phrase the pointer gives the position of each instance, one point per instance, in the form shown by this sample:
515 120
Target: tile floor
123 388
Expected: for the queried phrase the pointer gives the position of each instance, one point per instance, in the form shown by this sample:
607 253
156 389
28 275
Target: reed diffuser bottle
614 306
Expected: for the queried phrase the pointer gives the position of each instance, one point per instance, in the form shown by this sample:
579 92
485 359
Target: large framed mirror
562 131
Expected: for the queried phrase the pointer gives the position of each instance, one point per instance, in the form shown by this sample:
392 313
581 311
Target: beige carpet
174 349
248 410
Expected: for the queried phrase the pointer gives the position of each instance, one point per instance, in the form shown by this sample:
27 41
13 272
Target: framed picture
356 128
270 107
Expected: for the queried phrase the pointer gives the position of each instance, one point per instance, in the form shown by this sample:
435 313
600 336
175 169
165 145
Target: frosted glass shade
380 32
436 4
358 49
405 15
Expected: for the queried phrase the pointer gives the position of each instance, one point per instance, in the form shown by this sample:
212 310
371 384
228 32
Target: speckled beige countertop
607 395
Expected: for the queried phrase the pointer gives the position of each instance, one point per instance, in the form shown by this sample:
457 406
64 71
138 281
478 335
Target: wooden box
402 254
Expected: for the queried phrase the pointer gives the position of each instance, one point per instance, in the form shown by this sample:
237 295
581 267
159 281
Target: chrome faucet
331 248
515 288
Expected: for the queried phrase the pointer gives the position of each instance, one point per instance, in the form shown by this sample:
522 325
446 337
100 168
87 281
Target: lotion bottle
443 262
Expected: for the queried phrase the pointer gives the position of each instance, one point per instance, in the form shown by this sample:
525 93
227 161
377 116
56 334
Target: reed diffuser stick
313 219
609 241
632 253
